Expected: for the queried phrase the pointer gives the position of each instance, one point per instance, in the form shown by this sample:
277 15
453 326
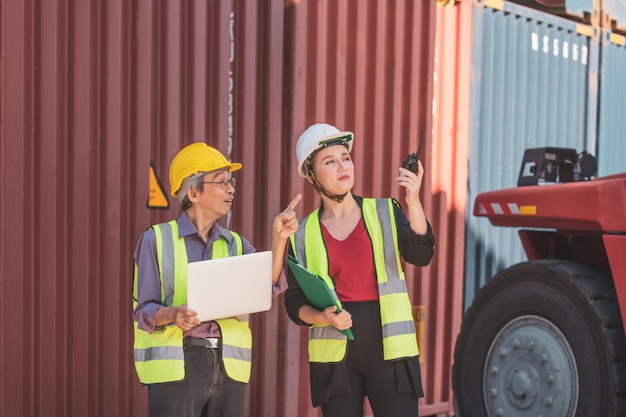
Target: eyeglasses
223 183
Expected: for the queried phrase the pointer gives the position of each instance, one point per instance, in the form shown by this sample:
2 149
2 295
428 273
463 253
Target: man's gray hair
195 180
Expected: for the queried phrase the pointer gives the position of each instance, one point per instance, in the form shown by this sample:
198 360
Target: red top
352 265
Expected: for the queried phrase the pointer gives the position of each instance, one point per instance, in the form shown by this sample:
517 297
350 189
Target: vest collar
187 228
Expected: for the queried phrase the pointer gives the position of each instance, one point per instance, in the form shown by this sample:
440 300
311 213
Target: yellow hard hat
195 158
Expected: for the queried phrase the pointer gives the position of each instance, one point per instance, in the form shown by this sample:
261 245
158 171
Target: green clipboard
315 289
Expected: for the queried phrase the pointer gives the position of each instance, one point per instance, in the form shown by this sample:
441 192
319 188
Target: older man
180 358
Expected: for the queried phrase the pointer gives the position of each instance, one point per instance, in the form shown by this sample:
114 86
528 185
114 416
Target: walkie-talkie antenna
410 162
419 148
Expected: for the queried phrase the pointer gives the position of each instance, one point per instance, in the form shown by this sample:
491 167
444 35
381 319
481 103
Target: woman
355 245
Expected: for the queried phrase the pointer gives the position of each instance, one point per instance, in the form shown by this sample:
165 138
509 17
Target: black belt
205 342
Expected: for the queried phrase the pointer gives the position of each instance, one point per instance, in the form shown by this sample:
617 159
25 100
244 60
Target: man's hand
286 222
186 318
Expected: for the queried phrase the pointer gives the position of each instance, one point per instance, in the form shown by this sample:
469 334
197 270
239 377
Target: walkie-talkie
410 162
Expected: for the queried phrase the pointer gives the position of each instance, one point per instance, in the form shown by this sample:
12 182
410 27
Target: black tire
542 338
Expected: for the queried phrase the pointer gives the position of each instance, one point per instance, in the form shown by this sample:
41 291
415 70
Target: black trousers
206 391
392 387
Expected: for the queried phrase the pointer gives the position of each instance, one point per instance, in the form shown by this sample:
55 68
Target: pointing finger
294 202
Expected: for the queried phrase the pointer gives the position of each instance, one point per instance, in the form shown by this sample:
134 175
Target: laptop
228 287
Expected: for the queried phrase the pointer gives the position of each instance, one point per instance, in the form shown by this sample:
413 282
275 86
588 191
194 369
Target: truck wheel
542 338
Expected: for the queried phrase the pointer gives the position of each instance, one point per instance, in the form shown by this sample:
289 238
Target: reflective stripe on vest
399 340
159 356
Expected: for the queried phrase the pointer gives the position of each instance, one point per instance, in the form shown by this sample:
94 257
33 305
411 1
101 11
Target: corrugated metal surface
257 113
92 93
448 170
64 257
95 93
612 105
534 83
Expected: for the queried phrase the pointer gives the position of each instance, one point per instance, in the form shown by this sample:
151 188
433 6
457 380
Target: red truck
545 337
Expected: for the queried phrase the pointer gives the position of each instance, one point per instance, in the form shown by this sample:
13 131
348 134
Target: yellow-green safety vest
159 356
326 344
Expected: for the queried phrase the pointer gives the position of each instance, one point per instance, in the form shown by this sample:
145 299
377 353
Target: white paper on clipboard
228 287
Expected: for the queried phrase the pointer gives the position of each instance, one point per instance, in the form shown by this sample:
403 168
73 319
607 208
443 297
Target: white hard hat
317 137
